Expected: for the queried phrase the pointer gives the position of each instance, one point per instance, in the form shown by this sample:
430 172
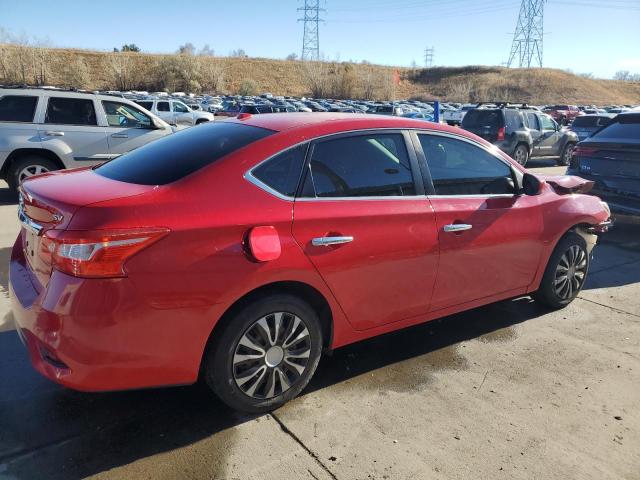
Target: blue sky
581 35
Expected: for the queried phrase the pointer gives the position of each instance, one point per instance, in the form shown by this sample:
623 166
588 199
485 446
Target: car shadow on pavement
51 432
7 197
616 260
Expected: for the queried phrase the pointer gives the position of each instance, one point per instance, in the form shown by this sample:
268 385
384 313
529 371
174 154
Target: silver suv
45 129
176 112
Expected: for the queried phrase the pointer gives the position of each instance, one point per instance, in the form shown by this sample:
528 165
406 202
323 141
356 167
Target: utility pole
311 38
526 49
428 57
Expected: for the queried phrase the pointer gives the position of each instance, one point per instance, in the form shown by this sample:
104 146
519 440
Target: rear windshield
176 156
483 118
590 121
623 127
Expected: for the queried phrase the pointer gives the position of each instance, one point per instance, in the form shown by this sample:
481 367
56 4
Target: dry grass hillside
140 71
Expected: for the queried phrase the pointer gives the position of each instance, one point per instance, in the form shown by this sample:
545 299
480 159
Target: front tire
521 154
265 354
565 158
565 274
26 167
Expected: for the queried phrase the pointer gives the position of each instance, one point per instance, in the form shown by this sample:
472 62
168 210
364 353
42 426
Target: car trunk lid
616 165
49 201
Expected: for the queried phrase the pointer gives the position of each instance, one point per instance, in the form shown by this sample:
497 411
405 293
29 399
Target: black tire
202 120
547 294
565 157
219 369
13 173
563 121
521 154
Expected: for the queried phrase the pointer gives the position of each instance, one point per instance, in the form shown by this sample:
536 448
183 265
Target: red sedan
238 251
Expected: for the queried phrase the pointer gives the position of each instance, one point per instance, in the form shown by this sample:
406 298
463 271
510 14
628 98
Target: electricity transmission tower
526 49
311 39
428 57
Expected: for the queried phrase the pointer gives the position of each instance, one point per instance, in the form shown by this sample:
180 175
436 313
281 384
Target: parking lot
505 391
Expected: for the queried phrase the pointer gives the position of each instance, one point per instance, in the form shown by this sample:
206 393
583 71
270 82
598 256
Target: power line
526 48
311 37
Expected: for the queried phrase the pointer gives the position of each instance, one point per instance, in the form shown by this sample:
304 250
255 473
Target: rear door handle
326 241
457 227
51 133
119 135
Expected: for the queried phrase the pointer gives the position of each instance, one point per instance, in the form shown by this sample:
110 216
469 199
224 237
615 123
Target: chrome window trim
248 175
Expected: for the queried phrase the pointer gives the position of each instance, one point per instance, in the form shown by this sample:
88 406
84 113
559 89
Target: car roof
52 92
336 122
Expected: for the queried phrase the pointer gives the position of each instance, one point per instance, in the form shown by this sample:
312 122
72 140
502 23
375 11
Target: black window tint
282 172
147 105
460 168
483 118
17 108
163 106
364 165
175 156
625 126
70 111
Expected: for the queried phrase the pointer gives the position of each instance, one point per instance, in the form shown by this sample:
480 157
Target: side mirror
531 184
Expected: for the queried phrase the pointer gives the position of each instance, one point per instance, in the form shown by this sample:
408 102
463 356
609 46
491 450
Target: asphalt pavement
508 391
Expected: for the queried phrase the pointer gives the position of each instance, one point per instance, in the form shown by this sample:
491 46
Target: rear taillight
501 132
97 254
580 151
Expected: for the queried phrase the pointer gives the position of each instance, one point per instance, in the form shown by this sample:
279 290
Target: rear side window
176 156
532 121
70 111
163 106
146 105
459 168
483 118
282 172
361 166
17 108
623 127
513 119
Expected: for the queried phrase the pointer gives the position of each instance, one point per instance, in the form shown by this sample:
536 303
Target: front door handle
457 227
326 241
119 135
51 133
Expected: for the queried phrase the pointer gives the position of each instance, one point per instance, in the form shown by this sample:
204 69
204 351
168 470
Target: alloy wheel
30 171
271 355
567 155
570 272
520 155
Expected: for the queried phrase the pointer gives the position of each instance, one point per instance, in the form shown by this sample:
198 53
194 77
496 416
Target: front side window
17 108
125 116
460 168
546 122
175 156
361 166
163 106
70 111
282 172
180 107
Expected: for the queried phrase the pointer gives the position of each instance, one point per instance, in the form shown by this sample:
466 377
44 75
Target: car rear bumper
97 334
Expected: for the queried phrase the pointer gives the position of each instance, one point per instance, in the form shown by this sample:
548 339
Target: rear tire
565 158
565 274
202 120
521 154
265 354
28 166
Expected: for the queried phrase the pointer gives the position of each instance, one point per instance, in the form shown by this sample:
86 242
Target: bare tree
238 53
187 49
206 51
291 57
316 75
119 65
212 75
75 74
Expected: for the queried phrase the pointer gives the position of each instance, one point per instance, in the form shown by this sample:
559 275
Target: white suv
175 112
43 130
